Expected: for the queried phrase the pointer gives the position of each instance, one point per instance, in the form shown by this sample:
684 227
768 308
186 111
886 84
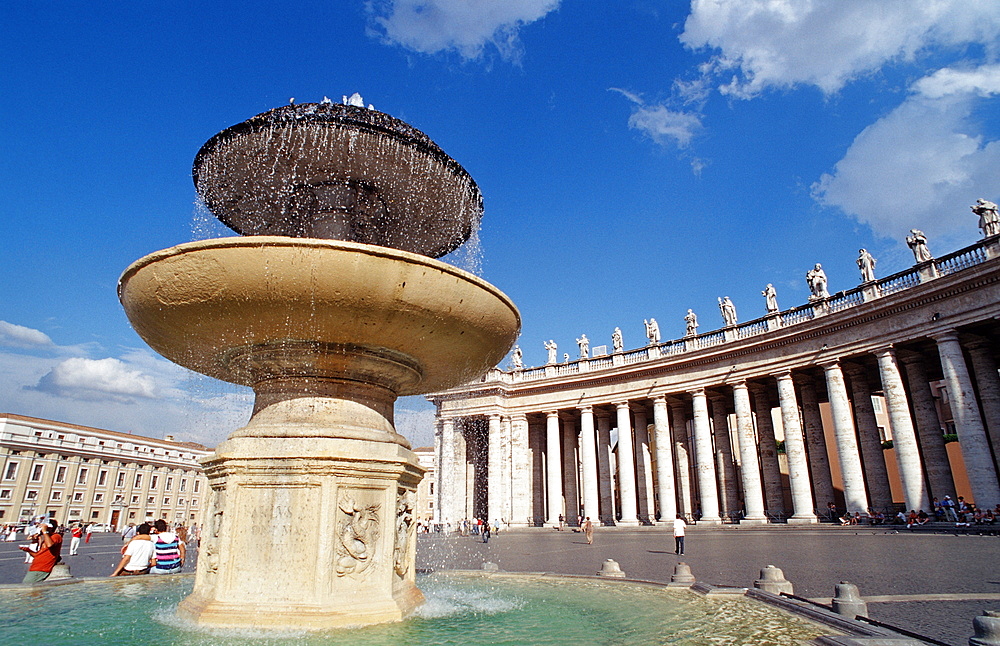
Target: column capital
586 408
947 335
830 365
494 416
621 405
551 413
888 349
739 383
697 391
659 399
519 417
782 374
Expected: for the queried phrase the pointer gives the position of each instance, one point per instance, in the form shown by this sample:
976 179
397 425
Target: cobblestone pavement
878 561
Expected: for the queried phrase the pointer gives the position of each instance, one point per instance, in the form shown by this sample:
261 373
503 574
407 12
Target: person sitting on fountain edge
49 547
137 554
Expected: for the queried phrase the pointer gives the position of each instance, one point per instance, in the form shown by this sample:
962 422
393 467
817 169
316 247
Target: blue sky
637 158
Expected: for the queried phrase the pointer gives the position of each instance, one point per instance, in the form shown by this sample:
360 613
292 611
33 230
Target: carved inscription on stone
358 528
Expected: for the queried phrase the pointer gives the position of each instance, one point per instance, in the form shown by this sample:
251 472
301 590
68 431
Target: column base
709 520
803 520
762 520
633 522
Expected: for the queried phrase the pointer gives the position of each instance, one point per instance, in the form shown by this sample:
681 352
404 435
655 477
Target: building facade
81 474
426 490
763 421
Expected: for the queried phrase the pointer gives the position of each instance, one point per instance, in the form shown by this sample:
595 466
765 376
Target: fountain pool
459 610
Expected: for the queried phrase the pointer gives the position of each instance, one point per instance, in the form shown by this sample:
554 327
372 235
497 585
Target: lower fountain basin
249 309
459 609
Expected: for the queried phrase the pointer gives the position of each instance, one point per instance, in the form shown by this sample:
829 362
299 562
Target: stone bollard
682 574
490 567
773 580
59 571
987 628
848 602
610 568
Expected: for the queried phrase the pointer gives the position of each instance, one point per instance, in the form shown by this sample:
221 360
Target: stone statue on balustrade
728 310
584 344
989 218
866 263
517 358
551 347
770 298
565 357
816 279
616 340
691 323
917 242
652 331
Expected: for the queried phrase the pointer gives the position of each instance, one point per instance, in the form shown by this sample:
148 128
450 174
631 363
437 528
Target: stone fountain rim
337 115
317 243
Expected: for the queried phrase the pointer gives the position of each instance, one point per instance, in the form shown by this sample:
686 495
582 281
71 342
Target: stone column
770 470
869 440
855 494
795 451
704 462
643 466
553 470
571 470
725 467
494 483
520 467
626 466
446 473
812 425
604 476
439 464
665 491
505 469
904 438
588 459
969 426
753 491
682 458
988 381
925 414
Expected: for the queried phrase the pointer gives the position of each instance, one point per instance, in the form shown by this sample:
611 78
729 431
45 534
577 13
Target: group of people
151 550
960 512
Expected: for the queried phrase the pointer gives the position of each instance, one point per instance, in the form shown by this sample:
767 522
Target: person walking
679 526
486 532
76 535
588 530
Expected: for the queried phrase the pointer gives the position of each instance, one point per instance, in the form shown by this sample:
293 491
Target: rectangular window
55 495
4 494
194 502
98 497
74 513
11 471
170 483
184 483
135 500
432 488
166 502
36 472
180 502
131 514
102 478
95 514
32 495
152 481
60 474
149 500
138 481
78 496
121 479
197 485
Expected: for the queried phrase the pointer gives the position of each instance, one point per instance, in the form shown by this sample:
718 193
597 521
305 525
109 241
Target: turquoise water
459 610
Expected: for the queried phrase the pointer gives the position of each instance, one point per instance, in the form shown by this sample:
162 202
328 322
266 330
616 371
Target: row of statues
989 224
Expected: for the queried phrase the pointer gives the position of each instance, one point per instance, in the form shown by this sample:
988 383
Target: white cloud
18 336
921 165
96 379
826 43
465 26
660 123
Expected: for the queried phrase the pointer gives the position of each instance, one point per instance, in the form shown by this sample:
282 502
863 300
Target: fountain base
317 534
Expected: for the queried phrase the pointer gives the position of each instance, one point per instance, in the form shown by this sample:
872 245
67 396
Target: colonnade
709 450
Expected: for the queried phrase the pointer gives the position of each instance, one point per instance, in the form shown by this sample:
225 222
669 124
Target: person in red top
49 546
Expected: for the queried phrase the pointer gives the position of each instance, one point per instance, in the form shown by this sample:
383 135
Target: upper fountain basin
326 170
248 309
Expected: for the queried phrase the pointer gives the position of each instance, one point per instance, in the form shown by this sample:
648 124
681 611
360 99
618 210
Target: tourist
169 550
90 532
562 519
74 543
47 554
679 526
486 531
831 510
588 530
137 554
949 509
128 533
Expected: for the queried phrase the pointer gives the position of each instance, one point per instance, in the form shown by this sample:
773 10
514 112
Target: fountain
330 306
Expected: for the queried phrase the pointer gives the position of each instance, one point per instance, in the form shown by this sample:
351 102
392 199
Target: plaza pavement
933 584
